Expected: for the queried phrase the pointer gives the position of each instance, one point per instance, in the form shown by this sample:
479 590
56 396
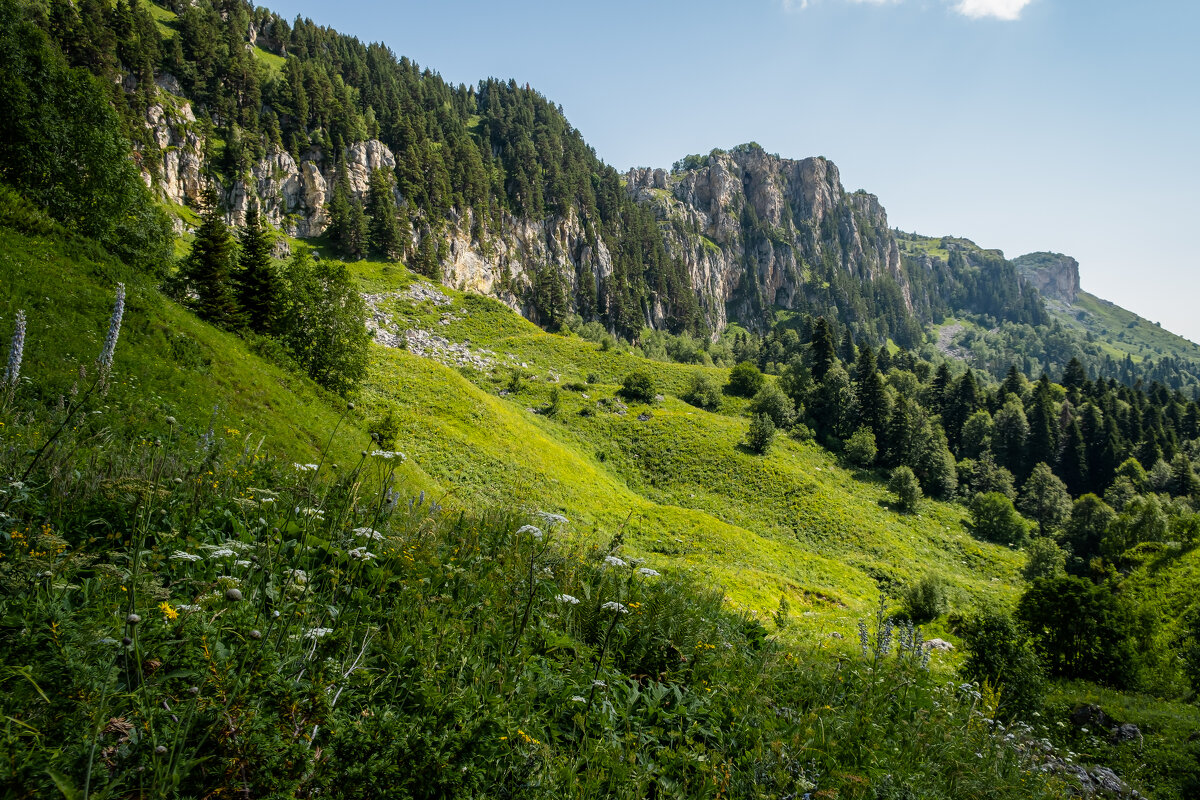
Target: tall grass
184 615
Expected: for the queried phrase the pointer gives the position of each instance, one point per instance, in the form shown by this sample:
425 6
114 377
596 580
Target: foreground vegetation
184 615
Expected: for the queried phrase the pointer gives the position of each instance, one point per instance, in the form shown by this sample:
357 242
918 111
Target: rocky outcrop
1053 274
753 228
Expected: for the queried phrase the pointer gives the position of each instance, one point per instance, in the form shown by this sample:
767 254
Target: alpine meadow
365 435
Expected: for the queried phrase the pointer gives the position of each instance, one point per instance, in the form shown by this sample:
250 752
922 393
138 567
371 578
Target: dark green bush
639 386
744 380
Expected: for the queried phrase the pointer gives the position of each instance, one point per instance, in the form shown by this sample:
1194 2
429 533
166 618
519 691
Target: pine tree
824 355
347 222
872 399
384 229
1072 462
258 285
209 267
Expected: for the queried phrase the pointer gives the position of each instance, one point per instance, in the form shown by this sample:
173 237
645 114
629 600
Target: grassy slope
1122 331
167 362
792 523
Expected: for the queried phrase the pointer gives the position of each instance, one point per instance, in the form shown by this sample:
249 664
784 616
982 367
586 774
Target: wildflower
114 329
578 699
553 519
180 555
368 533
305 467
15 350
612 605
317 633
187 607
361 554
224 552
613 561
315 513
532 530
168 612
298 575
568 599
648 573
241 563
599 685
388 455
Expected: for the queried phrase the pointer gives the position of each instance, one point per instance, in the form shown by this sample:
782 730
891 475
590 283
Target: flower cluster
114 329
15 350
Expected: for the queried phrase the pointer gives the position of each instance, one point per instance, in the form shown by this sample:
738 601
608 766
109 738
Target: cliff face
753 230
1053 274
756 230
294 197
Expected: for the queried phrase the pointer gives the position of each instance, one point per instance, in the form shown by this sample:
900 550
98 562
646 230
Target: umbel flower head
16 349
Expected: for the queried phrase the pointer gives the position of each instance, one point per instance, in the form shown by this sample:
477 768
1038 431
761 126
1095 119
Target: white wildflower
317 633
241 563
613 561
368 533
568 599
648 573
612 605
179 555
306 467
314 513
224 552
388 455
360 553
553 519
187 607
532 530
578 699
600 684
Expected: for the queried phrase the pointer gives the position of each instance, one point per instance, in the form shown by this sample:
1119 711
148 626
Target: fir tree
258 284
347 222
384 229
209 268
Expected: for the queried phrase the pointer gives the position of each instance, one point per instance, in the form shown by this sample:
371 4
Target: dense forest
466 155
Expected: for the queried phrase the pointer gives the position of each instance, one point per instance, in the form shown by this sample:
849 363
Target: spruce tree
824 354
258 285
347 222
209 268
383 230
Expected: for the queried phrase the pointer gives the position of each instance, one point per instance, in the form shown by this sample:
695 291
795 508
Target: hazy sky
1064 125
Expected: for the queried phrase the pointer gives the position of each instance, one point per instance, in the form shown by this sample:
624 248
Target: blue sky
1064 125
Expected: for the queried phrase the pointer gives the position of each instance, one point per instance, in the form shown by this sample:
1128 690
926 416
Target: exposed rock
804 216
938 644
1126 732
1053 274
644 416
1090 716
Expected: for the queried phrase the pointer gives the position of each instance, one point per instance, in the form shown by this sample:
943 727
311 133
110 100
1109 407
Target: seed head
233 595
133 619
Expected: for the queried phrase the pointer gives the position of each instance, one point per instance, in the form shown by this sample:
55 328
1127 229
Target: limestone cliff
1053 274
756 230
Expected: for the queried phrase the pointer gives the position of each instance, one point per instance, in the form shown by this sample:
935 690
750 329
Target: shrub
999 650
771 400
903 483
994 518
861 449
925 600
744 380
639 385
761 434
703 392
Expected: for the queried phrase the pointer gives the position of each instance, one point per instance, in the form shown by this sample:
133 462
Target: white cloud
1000 9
